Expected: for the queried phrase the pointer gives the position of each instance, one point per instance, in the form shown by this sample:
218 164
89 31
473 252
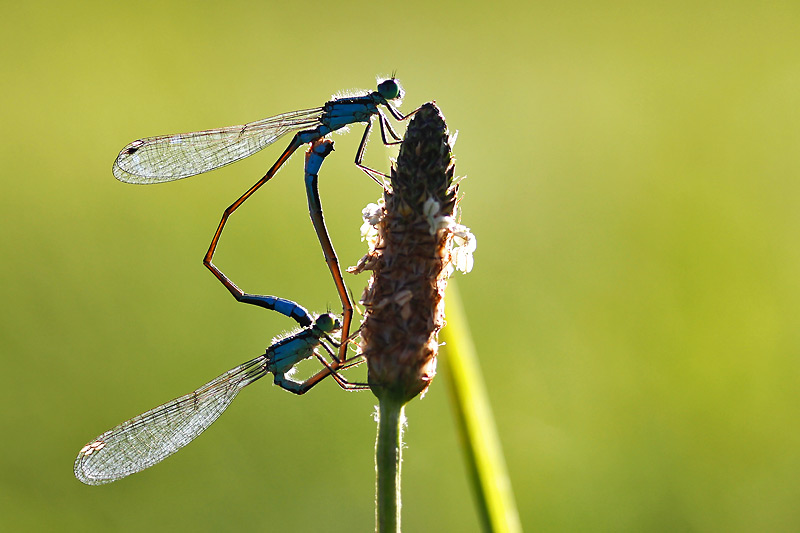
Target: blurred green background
632 181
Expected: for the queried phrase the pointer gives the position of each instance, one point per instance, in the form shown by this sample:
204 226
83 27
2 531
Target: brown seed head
404 300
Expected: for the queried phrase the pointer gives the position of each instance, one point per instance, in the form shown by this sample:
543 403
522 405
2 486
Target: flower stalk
411 238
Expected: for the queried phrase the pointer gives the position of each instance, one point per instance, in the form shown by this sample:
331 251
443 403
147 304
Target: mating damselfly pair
154 435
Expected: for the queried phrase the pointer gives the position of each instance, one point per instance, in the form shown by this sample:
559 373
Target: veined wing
172 157
153 436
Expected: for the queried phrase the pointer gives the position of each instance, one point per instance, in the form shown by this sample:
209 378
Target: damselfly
172 157
151 437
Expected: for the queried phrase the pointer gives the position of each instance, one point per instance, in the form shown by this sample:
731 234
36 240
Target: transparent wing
153 436
172 157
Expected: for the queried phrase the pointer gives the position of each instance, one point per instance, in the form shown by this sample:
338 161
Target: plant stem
388 457
403 303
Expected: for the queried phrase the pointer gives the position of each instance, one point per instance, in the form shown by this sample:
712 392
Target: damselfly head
327 323
390 89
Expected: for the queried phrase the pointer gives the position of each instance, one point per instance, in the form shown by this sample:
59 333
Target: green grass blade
476 422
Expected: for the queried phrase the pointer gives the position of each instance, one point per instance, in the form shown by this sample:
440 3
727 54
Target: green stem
388 454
